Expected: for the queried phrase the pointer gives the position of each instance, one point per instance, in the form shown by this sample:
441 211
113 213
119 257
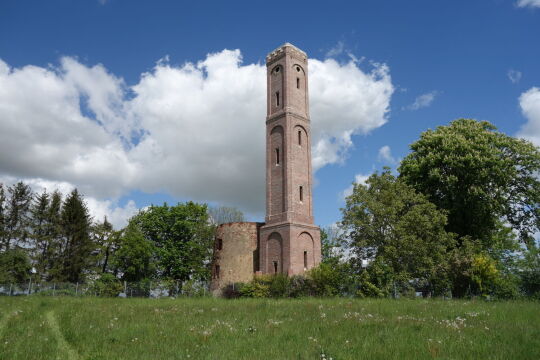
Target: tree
183 238
223 214
106 240
75 248
478 176
135 257
16 230
3 216
397 229
39 226
14 266
331 245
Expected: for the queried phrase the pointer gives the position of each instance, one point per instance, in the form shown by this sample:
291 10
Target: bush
107 285
327 280
232 291
300 286
279 286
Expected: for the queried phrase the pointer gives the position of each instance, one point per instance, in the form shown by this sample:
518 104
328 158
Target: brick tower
289 241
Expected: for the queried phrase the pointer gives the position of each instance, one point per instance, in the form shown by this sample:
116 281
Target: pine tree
20 196
3 216
75 246
106 240
38 225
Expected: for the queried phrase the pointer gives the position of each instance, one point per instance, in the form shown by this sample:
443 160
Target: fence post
29 285
77 288
150 289
10 286
53 289
125 287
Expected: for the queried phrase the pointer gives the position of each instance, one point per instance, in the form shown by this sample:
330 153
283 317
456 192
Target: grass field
94 328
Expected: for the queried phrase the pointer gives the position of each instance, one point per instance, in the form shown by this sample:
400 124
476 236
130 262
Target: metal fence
149 289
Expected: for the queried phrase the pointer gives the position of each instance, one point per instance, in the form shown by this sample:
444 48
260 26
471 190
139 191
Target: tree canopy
479 176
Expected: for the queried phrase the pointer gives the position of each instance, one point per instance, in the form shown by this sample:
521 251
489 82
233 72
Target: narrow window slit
301 193
275 267
277 156
305 259
298 83
277 98
299 137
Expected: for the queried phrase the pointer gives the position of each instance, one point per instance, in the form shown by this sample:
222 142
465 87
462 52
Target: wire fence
149 289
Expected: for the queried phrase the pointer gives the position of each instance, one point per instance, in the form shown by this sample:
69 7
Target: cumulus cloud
358 179
344 101
422 101
529 102
514 76
194 131
528 3
385 155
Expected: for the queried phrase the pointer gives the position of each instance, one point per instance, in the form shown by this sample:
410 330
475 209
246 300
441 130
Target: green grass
93 328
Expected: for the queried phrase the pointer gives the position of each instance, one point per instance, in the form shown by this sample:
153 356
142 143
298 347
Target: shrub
257 288
301 286
107 285
279 286
327 280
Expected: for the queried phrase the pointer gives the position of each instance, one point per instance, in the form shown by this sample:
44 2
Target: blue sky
424 63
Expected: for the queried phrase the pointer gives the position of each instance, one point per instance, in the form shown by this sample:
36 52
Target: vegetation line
63 345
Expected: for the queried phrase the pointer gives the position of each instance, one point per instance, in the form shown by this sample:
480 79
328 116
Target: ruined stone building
288 241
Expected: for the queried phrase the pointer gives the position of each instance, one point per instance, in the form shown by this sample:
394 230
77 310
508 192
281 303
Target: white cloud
194 131
422 101
514 76
344 101
528 3
385 155
116 214
358 179
336 50
529 102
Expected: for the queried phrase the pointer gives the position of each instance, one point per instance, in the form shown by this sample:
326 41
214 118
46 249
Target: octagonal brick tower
289 241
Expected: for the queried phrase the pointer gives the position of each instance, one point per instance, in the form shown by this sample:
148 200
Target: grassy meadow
206 328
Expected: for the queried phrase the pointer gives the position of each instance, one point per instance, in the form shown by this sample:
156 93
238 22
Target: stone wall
236 255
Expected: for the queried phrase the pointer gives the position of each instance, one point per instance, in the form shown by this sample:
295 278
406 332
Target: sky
143 102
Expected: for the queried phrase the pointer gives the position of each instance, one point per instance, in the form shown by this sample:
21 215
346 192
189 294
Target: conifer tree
20 196
75 246
3 216
38 225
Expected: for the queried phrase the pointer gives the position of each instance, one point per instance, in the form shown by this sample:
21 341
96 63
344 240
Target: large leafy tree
399 232
182 235
479 176
135 257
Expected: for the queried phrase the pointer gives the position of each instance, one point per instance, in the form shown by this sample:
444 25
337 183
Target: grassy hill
95 328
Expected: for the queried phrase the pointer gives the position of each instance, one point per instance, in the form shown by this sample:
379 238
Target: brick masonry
288 242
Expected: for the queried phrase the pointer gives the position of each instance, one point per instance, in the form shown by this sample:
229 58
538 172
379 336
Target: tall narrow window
277 156
305 259
277 98
298 83
220 244
299 137
275 267
217 272
301 193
